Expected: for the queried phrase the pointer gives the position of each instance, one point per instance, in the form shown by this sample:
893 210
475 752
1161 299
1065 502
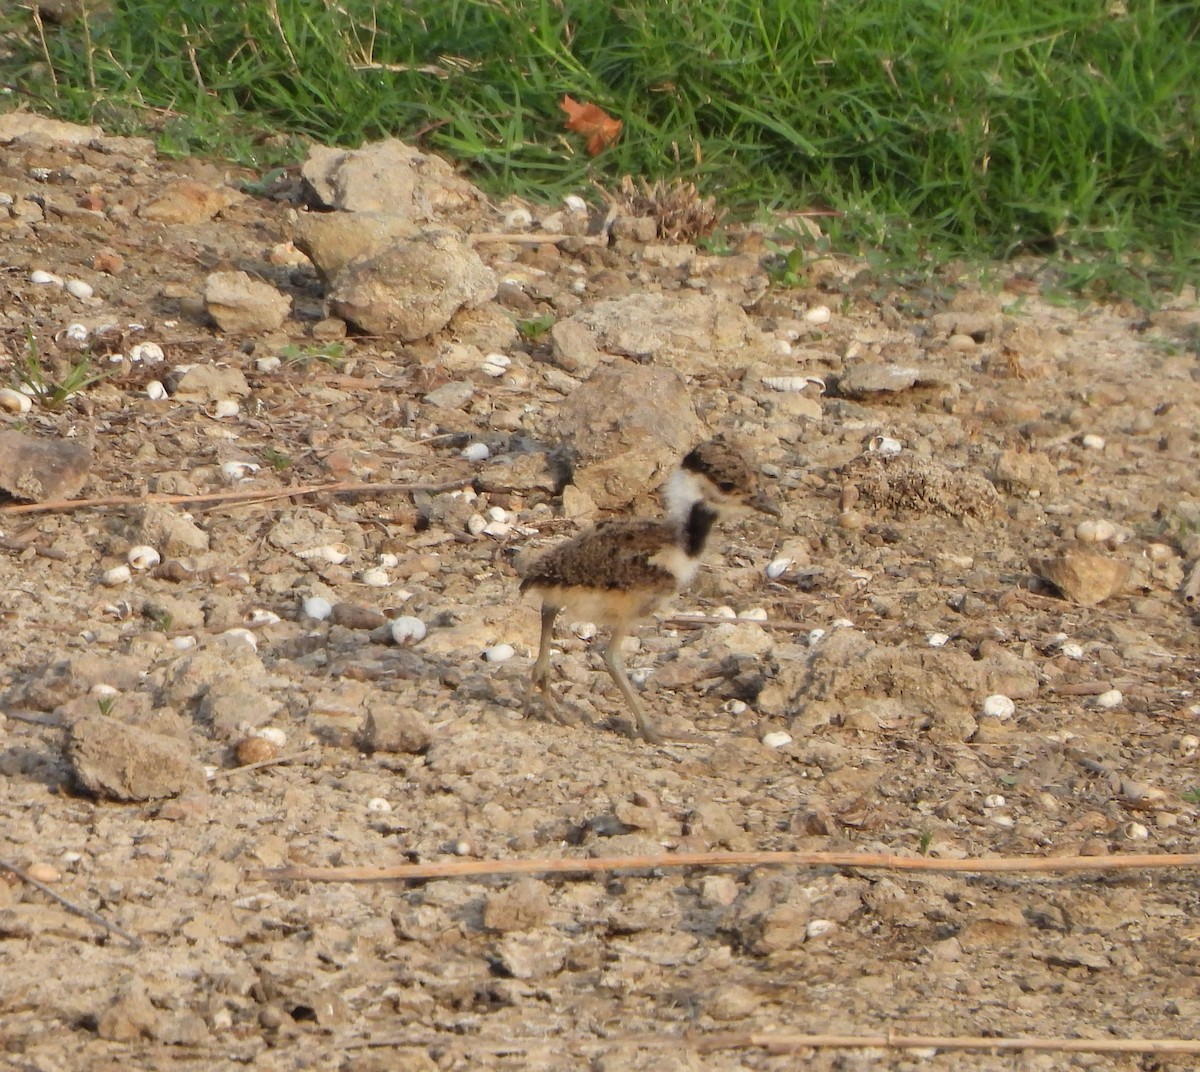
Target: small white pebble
754 614
1135 831
519 219
388 560
1110 699
1093 442
994 800
147 353
333 553
497 513
1095 531
116 575
1189 745
841 623
226 407
317 607
937 640
235 472
44 278
819 314
782 347
210 772
724 612
496 364
499 653
183 643
269 364
497 529
102 691
77 332
244 635
14 401
462 847
274 734
640 676
885 445
999 706
375 577
734 707
77 288
778 567
379 804
777 739
262 616
1072 650
1006 822
143 557
476 523
583 630
407 629
156 391
476 452
575 203
1159 553
818 928
815 636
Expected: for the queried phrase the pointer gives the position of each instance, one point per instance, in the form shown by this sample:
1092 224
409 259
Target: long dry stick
695 621
71 906
788 1042
343 487
536 238
464 868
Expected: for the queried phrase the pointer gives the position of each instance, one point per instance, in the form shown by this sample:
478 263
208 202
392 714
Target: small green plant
50 392
534 328
1192 796
332 354
276 459
785 270
106 704
924 841
161 620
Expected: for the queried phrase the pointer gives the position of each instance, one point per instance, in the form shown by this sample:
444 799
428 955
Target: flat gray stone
121 762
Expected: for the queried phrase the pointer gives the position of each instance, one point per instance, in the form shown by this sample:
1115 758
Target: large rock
697 334
387 177
412 289
41 469
331 240
244 305
625 426
120 762
187 201
25 129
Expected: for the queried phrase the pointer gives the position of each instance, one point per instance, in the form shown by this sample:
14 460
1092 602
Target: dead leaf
590 119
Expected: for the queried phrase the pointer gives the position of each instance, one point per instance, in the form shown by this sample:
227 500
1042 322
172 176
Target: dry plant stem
538 238
70 906
293 757
782 1042
695 621
247 495
880 861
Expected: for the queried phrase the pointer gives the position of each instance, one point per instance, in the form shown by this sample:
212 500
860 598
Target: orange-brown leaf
590 119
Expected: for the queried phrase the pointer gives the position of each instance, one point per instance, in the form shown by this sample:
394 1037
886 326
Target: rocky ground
972 633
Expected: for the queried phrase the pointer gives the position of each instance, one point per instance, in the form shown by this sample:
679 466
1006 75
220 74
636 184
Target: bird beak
762 501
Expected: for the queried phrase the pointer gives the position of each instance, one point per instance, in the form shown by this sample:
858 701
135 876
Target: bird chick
619 572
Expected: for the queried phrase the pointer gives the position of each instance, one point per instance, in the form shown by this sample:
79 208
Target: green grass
934 127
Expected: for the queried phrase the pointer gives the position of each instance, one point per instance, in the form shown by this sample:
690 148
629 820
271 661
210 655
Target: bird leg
615 662
540 679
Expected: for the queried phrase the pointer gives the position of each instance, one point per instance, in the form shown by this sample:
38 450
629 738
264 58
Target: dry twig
782 1042
291 757
343 487
71 906
591 865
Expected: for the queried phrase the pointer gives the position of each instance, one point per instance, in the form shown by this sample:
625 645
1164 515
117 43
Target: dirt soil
899 596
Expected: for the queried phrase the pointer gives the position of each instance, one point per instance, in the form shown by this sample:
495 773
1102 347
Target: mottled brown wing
614 554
